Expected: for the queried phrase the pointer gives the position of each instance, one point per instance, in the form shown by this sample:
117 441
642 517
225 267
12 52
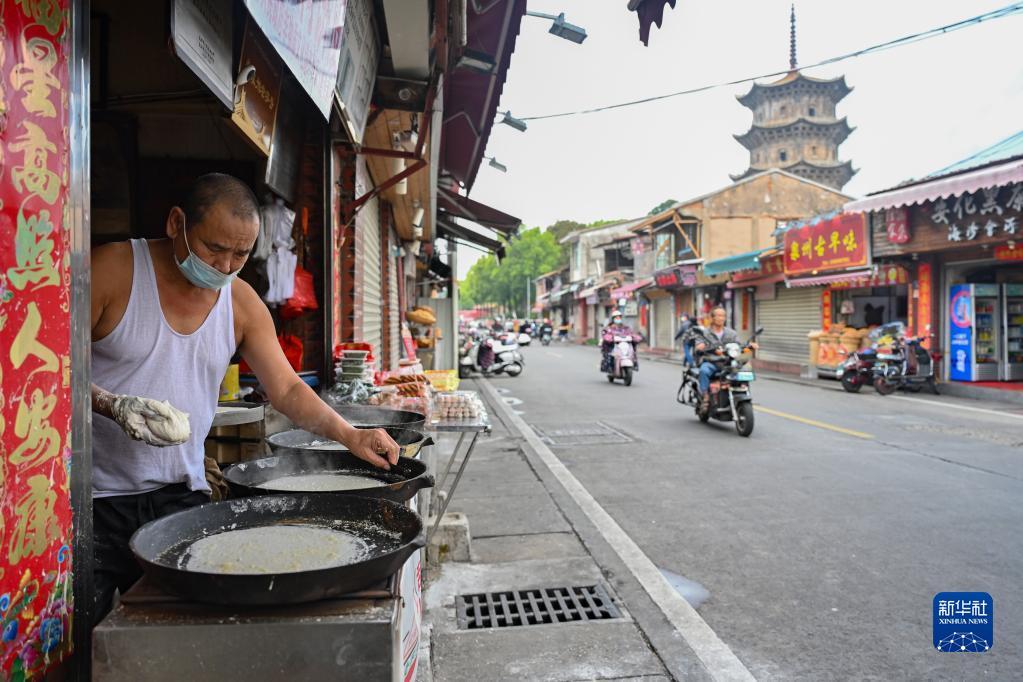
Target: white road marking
719 660
557 355
953 406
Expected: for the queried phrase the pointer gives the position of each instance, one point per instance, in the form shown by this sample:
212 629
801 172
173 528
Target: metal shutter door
664 309
787 320
367 225
394 311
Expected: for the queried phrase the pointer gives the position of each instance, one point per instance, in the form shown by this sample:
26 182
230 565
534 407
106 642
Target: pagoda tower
795 127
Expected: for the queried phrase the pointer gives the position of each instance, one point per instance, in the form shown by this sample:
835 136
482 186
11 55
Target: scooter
908 365
620 363
858 370
730 395
545 338
507 359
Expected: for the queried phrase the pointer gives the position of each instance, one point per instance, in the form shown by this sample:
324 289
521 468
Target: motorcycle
730 395
524 339
905 364
545 337
858 370
507 359
620 363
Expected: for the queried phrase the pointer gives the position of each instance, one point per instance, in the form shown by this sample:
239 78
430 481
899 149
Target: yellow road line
812 422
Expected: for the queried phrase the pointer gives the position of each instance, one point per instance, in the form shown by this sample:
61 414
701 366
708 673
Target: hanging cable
1006 11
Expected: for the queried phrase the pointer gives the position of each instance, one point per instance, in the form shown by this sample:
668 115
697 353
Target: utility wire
1006 11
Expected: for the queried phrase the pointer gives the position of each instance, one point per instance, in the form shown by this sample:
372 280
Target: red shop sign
896 222
835 244
1006 252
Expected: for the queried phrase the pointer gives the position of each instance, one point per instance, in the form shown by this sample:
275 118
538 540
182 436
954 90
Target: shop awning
624 291
471 94
603 284
736 263
463 207
757 281
825 280
942 188
448 228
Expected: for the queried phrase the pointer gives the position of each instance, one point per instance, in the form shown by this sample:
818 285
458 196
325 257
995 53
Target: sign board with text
202 34
838 243
255 111
357 71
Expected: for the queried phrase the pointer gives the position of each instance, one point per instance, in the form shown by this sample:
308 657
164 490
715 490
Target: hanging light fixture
561 28
494 163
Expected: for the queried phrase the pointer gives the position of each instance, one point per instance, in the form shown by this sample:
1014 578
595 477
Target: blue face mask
199 272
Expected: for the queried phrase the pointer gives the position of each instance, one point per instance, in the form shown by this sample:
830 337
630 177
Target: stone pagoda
795 127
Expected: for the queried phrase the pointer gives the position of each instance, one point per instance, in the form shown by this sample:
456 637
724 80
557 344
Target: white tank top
144 356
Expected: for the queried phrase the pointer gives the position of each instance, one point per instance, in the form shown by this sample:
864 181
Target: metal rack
463 427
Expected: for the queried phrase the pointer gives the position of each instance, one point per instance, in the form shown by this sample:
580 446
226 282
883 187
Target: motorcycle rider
713 345
616 328
546 327
684 327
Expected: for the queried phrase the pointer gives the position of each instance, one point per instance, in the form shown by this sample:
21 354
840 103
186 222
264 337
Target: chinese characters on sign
987 213
963 622
835 244
35 400
896 222
679 276
1006 252
924 302
769 265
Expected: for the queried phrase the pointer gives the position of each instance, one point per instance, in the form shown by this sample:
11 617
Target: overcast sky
914 108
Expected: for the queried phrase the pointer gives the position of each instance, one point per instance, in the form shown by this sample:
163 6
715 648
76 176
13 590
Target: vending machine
974 326
1012 359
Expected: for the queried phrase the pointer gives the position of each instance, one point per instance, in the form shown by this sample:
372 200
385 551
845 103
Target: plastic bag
292 347
303 299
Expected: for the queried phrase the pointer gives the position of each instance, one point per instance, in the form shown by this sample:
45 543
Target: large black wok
374 417
403 481
161 546
286 442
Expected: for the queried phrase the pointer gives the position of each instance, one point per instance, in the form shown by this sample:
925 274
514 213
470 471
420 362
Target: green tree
663 206
528 255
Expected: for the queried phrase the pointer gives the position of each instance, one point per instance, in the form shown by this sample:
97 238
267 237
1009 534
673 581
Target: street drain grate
587 433
535 607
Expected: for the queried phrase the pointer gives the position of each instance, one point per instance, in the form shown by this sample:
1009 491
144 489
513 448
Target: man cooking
167 316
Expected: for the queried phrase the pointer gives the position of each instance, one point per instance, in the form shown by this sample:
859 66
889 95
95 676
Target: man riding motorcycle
546 331
712 345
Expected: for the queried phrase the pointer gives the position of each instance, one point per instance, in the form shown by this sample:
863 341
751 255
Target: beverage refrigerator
975 326
1012 355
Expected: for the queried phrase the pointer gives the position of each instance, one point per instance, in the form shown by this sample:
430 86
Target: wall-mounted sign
203 34
306 35
835 244
357 69
255 107
631 309
771 265
896 221
925 297
1006 252
678 276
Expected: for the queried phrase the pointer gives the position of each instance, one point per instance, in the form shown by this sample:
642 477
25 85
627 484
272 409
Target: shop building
956 233
113 111
739 220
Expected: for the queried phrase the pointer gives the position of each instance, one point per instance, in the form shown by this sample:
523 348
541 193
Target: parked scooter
488 356
620 363
904 364
730 395
858 369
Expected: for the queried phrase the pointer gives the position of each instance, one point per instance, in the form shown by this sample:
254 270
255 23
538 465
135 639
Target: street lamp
516 123
561 28
494 163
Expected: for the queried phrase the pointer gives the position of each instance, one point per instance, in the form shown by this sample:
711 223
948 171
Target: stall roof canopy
626 289
824 280
463 207
471 97
999 164
741 261
449 228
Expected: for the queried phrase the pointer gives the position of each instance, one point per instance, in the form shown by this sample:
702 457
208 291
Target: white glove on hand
152 421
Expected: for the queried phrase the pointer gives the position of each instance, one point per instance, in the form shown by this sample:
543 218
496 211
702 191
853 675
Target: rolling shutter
664 315
367 226
394 309
786 320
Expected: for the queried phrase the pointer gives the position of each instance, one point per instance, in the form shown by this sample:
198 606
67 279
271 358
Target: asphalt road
824 537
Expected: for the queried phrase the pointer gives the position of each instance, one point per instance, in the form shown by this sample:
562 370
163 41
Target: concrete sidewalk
522 540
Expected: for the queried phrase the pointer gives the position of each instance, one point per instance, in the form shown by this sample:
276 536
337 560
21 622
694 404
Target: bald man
167 316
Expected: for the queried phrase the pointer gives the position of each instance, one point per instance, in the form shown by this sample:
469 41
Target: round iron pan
403 481
409 440
373 417
396 531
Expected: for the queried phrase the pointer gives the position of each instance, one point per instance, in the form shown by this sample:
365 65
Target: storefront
956 235
671 294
